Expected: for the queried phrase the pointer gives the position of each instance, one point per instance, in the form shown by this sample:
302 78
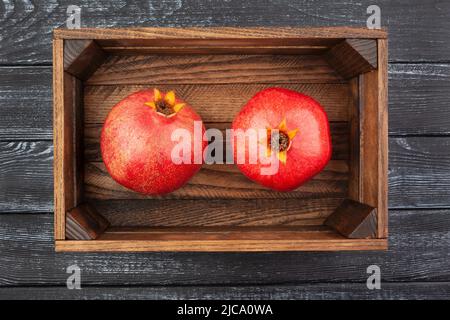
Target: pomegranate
136 142
300 145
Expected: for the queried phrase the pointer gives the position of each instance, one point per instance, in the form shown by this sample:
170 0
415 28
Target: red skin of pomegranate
310 149
136 145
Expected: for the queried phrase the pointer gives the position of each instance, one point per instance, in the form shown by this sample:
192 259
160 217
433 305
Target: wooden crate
217 70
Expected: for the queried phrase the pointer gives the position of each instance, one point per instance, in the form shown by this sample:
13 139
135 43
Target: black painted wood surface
417 265
418 29
404 291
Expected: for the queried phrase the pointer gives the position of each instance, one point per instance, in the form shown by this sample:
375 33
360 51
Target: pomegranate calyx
165 105
280 141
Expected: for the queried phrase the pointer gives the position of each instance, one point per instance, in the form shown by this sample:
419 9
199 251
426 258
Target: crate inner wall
217 86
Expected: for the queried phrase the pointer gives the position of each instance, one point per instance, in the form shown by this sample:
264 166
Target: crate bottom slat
220 239
220 246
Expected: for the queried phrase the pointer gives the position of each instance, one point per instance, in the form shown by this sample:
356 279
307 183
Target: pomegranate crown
165 104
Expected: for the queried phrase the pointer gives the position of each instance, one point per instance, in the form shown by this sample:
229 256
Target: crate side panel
58 138
216 212
222 182
213 69
373 140
354 142
383 143
216 102
68 140
221 246
264 33
217 87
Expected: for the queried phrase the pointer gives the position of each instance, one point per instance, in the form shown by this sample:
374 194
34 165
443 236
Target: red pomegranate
303 143
136 142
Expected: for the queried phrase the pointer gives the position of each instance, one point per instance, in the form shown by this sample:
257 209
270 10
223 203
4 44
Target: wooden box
217 70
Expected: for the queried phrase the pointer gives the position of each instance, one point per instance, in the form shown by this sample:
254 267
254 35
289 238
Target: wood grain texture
418 98
220 181
217 212
84 223
211 49
215 103
354 183
374 139
419 165
213 33
26 179
132 244
354 220
352 57
82 57
418 251
323 291
418 36
369 138
418 174
383 140
25 103
221 239
68 139
78 140
62 138
213 69
339 134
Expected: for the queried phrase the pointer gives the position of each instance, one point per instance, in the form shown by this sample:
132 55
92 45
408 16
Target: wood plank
215 103
374 139
64 102
418 174
418 251
322 291
383 140
25 103
213 69
67 140
220 181
205 38
68 137
26 178
78 141
354 220
59 138
219 33
82 57
209 48
418 98
84 223
339 133
369 139
419 36
219 245
216 212
354 143
352 57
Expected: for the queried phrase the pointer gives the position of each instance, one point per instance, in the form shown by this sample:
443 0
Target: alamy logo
73 17
374 280
374 20
74 280
252 146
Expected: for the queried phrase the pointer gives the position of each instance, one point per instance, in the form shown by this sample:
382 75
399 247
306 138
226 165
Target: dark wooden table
417 264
